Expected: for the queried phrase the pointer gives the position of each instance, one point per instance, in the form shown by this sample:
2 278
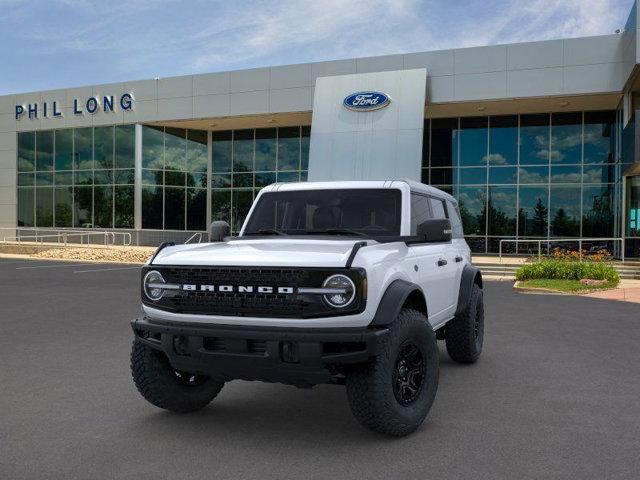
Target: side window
437 206
420 211
456 222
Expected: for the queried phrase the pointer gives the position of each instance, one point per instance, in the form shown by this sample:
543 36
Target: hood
271 252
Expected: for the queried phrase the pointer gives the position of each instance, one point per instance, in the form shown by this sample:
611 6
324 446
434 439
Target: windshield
357 212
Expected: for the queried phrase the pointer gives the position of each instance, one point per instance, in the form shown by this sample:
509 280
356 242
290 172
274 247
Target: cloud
494 159
566 139
573 177
549 19
504 202
556 156
343 28
594 175
325 30
121 40
532 176
472 201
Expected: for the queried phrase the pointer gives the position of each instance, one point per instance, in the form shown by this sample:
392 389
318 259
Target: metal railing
549 242
74 237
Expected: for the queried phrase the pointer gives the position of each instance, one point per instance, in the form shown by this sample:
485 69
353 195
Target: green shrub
558 269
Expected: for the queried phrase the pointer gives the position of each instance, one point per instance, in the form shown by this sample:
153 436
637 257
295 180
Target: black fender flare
470 275
393 300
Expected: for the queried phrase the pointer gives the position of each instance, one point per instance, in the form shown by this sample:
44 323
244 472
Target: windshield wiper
337 231
266 231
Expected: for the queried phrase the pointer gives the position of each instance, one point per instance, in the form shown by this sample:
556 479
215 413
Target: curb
549 291
540 291
75 260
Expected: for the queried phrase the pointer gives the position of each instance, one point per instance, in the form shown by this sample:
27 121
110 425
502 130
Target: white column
209 170
137 212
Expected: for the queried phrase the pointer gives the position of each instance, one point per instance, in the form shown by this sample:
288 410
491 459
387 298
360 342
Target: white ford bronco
347 283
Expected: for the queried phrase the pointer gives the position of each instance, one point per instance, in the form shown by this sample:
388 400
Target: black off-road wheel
464 335
394 392
165 387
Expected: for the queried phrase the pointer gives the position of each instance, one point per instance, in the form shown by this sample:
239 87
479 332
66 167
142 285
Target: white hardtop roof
345 184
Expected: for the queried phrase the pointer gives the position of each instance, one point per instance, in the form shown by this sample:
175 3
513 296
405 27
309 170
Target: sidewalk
490 259
627 291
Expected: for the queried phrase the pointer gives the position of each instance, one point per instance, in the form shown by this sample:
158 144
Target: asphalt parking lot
555 395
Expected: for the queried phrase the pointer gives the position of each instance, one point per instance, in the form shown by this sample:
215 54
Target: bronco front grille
237 276
288 305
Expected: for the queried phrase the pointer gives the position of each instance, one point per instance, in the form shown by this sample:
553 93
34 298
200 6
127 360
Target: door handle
458 259
442 262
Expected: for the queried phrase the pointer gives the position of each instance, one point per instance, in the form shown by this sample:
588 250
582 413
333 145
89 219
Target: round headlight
152 285
345 291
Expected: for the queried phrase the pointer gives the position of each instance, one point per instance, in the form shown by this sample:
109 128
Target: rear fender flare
470 275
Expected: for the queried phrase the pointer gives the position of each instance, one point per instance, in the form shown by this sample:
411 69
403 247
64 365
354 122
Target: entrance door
632 215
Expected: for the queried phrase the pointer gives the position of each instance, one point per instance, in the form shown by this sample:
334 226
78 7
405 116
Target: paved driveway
555 395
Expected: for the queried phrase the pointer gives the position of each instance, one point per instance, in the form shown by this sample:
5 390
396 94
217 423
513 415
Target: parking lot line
54 266
107 269
26 260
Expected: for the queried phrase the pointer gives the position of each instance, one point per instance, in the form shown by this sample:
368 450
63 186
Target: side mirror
435 230
218 231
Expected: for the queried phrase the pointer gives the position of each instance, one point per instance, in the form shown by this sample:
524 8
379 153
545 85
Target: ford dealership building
536 140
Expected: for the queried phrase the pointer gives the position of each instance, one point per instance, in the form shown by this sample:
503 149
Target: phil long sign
91 105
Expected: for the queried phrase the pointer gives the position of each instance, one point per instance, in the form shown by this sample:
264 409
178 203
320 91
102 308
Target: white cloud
324 30
144 38
549 19
343 28
556 156
494 159
593 175
532 176
566 177
564 139
221 33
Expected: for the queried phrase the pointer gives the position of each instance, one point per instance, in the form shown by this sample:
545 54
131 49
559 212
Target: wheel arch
471 276
398 295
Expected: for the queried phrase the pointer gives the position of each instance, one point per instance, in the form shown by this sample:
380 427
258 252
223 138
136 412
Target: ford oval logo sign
366 101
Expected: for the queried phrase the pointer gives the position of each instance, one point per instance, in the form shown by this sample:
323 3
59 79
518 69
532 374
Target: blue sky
47 44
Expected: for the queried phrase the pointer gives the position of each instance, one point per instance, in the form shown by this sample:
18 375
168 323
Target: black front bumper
300 357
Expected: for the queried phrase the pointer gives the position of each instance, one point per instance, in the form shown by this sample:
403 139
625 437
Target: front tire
464 335
165 387
394 393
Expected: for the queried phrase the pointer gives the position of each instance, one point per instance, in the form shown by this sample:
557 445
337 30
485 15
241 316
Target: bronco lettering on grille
191 287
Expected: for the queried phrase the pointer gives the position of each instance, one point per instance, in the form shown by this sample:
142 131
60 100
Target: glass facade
85 177
174 178
539 176
244 161
77 177
534 176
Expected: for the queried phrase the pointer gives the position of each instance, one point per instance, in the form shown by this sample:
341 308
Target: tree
540 219
522 221
499 222
563 225
64 215
469 223
597 220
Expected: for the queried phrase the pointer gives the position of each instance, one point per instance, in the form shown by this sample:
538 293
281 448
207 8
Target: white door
437 272
462 249
451 270
435 264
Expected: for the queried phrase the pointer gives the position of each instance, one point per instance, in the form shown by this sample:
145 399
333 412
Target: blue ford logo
366 101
